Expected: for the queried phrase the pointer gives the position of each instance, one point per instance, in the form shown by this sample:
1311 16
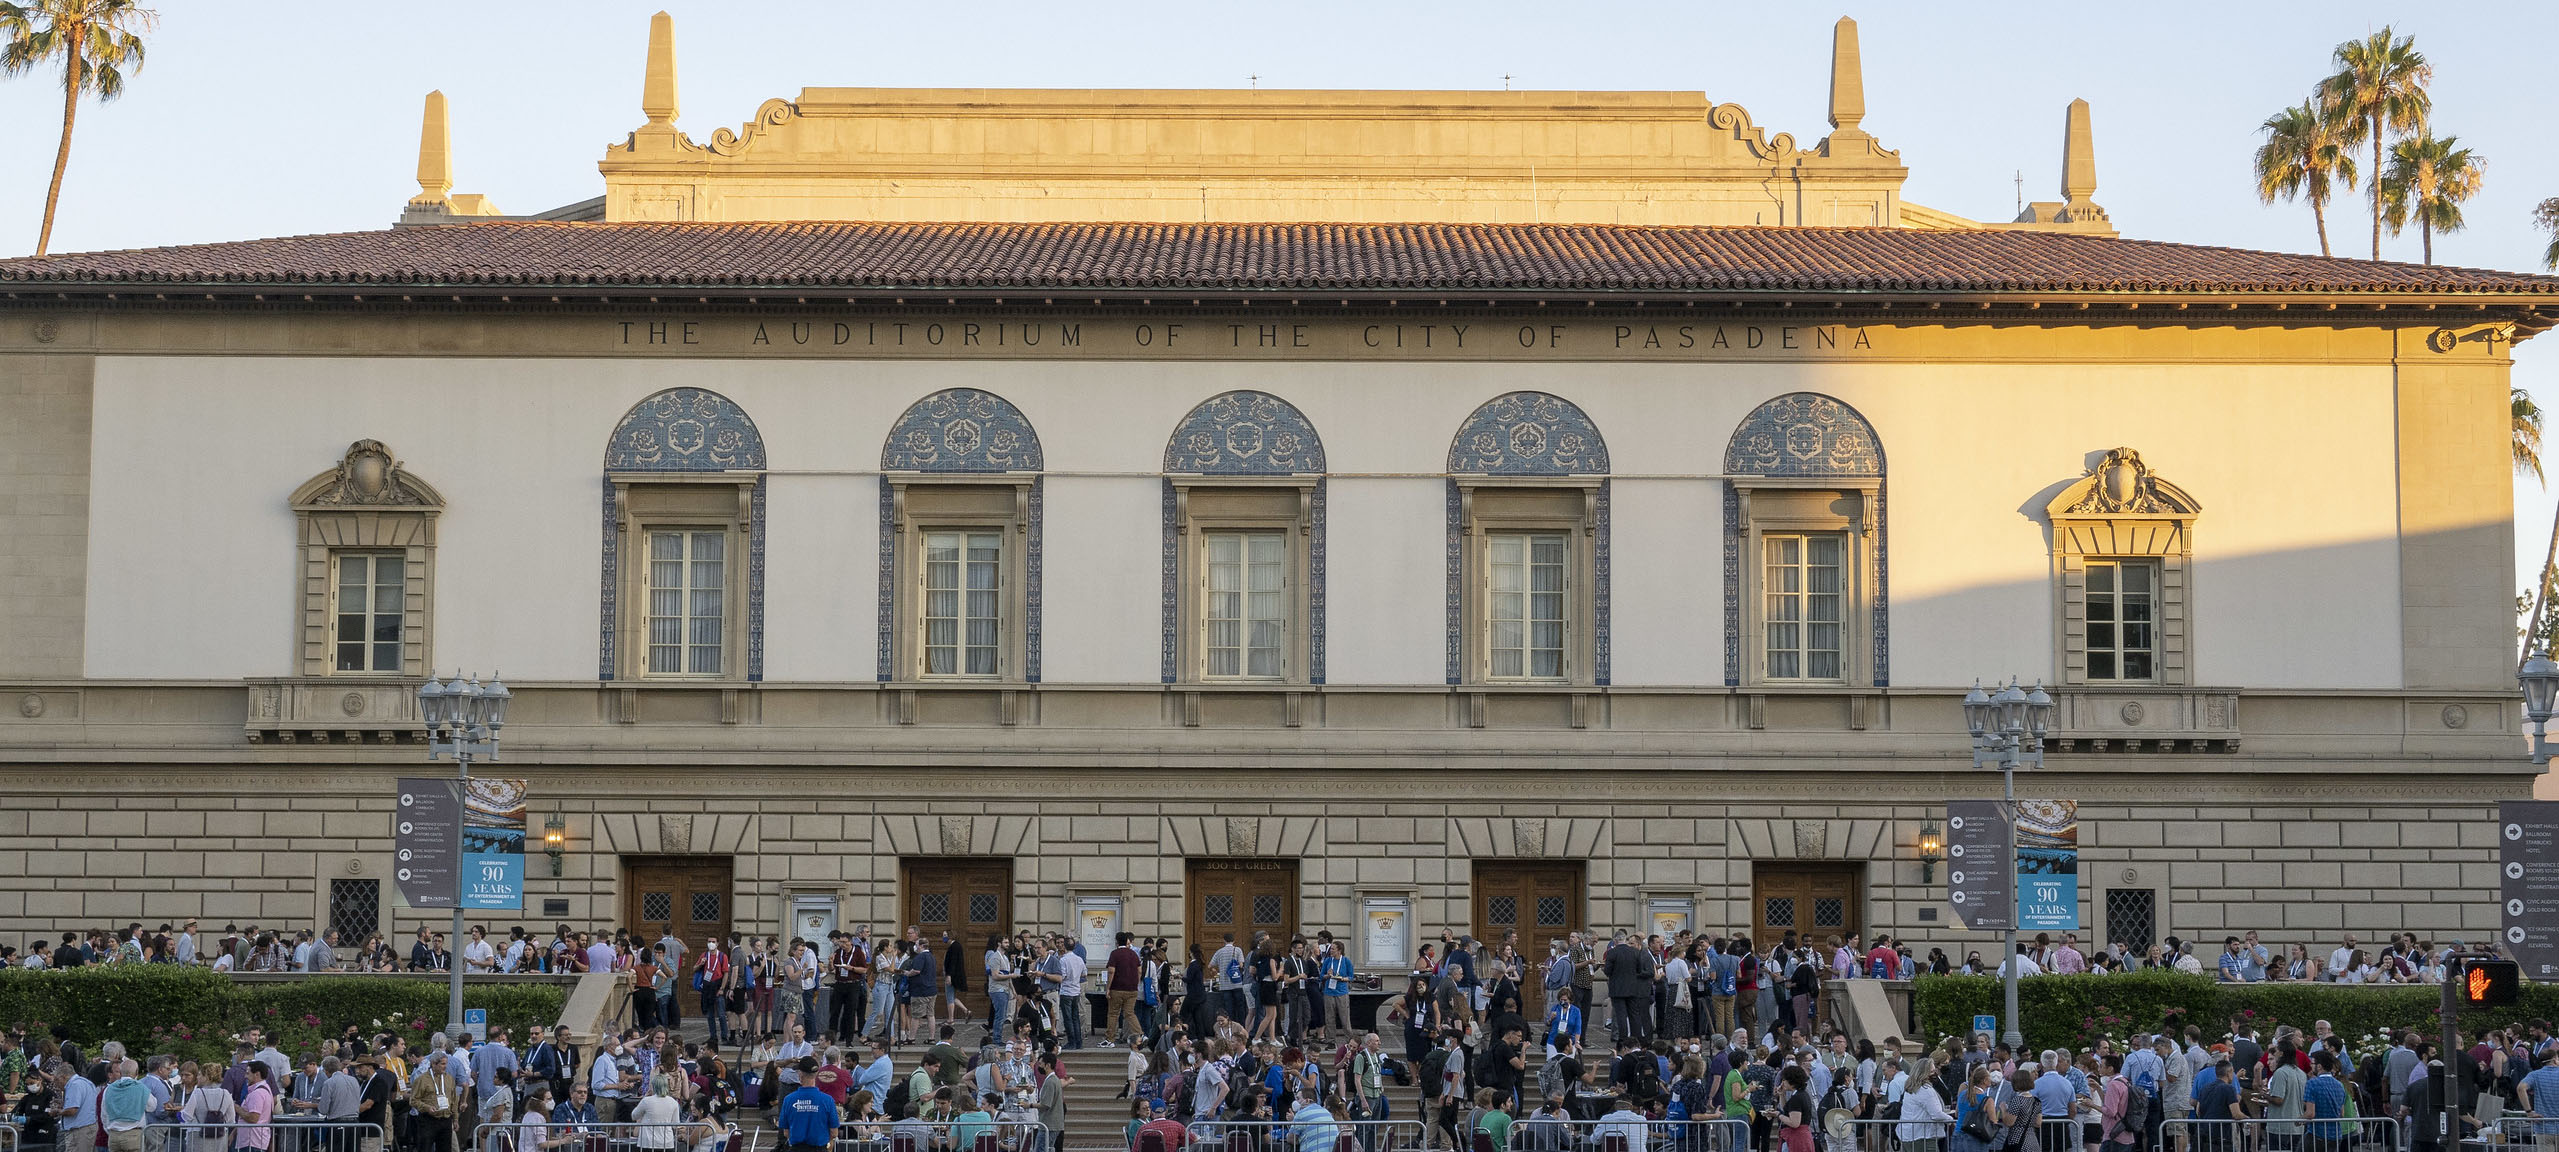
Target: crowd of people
868 1038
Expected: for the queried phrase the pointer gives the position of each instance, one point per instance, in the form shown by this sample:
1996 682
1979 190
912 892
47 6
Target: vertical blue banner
2048 865
493 843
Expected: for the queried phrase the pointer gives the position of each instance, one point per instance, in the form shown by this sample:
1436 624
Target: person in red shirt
832 1079
1164 1127
1881 959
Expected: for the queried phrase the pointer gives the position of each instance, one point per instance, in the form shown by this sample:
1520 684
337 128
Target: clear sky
268 117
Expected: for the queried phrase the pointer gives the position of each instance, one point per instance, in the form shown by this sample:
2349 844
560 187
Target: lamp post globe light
462 718
2008 730
2540 680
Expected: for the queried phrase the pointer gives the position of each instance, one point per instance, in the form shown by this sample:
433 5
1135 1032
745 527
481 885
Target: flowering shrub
197 1014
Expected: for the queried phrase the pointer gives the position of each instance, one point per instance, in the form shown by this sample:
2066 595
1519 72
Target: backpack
2136 1114
220 1114
1177 1095
1725 969
900 1095
1432 1065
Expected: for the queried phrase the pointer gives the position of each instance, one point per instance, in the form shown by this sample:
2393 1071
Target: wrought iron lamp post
2008 733
462 719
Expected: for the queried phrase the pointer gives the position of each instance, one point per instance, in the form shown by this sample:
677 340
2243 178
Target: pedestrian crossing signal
2490 983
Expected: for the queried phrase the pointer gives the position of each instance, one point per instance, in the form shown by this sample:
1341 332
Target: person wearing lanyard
374 1105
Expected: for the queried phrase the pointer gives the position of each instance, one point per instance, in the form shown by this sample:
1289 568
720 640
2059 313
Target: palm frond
2526 421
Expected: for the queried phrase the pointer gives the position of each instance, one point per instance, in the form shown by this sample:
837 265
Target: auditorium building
1205 511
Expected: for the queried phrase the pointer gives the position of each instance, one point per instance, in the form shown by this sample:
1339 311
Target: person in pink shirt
257 1106
1843 957
2067 958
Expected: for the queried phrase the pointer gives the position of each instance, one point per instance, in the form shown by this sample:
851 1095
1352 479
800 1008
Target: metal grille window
933 906
1247 603
1502 909
1526 603
355 910
1781 912
2122 639
1266 909
1804 596
2132 917
1550 911
1218 909
963 603
655 906
706 906
372 603
1829 912
688 602
983 907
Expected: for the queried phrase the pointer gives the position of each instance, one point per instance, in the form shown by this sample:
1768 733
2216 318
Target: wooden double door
1814 901
1539 899
962 899
690 897
1239 896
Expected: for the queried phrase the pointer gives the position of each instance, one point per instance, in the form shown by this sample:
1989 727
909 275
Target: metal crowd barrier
1015 1135
1885 1135
2260 1134
681 1136
1289 1136
284 1134
1553 1134
2509 1131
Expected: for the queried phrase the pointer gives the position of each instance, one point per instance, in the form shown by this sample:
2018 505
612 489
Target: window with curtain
1802 584
688 602
1246 603
372 599
1525 604
963 603
2122 638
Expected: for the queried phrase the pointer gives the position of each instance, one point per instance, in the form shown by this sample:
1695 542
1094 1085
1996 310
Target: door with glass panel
1246 605
1814 901
1802 587
1525 573
688 601
964 602
687 896
962 899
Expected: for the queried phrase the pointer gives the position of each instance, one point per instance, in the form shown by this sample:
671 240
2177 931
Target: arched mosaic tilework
684 430
963 430
1804 434
1528 434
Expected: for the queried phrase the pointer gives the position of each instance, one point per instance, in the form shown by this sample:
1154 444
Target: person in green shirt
1494 1119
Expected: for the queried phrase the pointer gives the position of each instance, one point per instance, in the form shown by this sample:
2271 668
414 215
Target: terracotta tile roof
1318 258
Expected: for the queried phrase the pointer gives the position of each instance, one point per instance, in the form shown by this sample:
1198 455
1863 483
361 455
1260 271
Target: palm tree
2380 87
2428 179
2304 152
2527 432
97 40
2545 216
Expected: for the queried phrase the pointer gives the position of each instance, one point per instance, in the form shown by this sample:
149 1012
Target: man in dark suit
1630 989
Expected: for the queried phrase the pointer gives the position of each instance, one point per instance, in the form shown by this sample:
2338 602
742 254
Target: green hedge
2073 1011
192 1013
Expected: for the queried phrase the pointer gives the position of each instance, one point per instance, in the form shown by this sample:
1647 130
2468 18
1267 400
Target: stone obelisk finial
1847 80
657 93
435 156
2078 156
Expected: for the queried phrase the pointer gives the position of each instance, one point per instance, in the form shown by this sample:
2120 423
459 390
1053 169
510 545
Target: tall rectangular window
371 607
2122 639
1804 594
963 603
1247 603
688 602
1526 571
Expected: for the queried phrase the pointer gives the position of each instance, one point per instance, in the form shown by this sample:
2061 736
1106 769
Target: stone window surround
2169 542
654 501
1764 505
915 504
328 534
1476 510
1188 523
